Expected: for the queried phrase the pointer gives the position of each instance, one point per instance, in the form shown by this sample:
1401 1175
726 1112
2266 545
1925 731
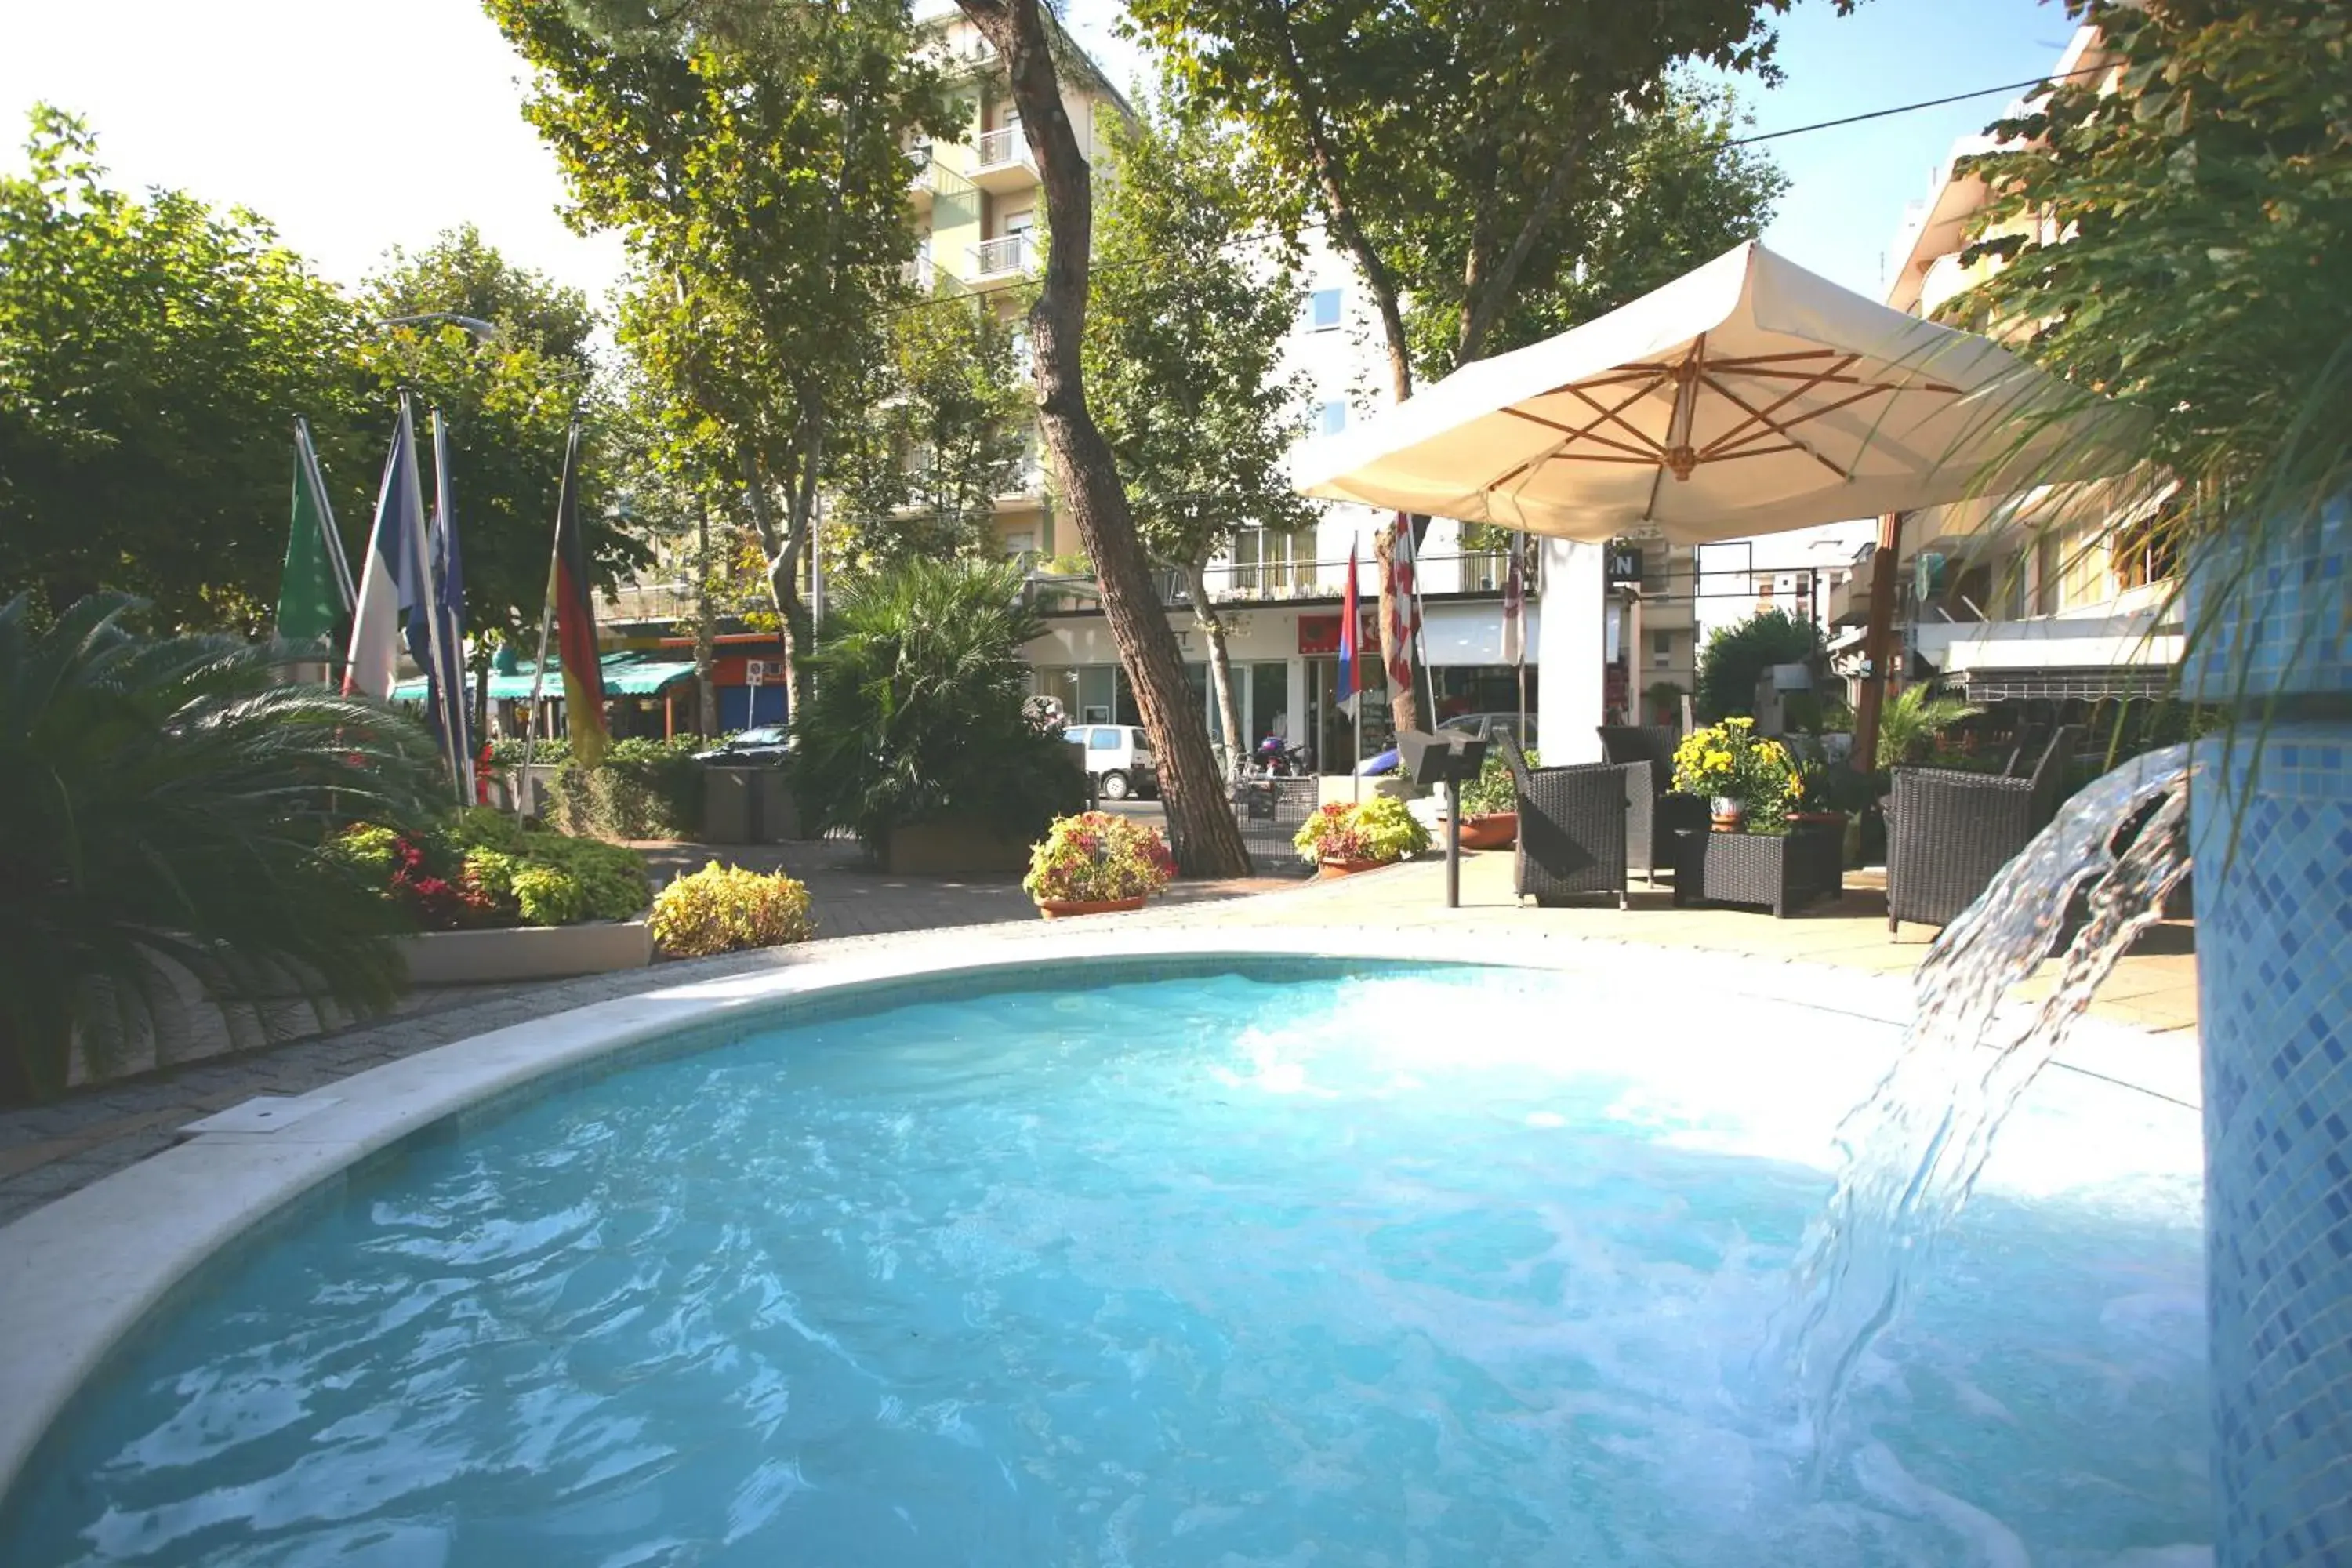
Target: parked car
1118 759
1483 725
768 745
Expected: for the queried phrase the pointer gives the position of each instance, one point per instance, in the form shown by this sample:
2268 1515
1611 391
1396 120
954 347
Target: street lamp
474 324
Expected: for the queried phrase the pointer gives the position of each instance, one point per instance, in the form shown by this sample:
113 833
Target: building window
1323 310
1662 649
1272 560
1333 417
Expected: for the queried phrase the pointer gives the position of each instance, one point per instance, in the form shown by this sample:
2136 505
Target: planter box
527 952
952 847
1340 790
1778 872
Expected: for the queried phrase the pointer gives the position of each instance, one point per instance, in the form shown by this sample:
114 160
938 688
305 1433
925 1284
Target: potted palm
1096 863
1341 839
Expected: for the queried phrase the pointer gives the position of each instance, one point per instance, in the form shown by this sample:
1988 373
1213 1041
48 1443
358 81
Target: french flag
1351 689
391 584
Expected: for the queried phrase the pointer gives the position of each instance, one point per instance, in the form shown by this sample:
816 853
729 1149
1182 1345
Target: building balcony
926 277
643 602
1000 162
995 262
927 178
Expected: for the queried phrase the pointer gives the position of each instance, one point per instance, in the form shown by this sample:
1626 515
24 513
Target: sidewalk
48 1151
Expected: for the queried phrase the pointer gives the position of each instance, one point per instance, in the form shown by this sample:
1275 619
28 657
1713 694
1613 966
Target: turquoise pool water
1382 1268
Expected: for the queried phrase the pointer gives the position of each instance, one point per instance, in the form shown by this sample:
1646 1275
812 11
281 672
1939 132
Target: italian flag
394 544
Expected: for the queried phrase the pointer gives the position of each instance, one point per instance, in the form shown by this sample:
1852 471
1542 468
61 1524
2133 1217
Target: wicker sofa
1572 826
1653 815
1950 833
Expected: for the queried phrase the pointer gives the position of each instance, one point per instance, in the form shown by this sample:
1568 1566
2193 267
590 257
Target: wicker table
1781 872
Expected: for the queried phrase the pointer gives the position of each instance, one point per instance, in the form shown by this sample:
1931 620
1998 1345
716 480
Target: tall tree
751 158
153 354
1183 358
1489 122
508 401
946 432
1208 842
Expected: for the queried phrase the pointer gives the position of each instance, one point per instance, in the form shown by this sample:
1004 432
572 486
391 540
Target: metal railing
1471 571
648 601
993 148
927 174
1010 253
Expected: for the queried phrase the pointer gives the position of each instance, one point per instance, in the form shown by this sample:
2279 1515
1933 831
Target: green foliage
482 869
1380 829
645 789
1474 157
1494 790
721 908
1096 857
1912 718
1184 341
917 710
154 355
1736 657
162 801
945 433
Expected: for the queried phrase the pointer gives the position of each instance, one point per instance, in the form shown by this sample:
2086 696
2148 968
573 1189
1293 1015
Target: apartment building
2057 597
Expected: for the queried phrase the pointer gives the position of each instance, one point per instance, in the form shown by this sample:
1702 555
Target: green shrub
507 751
1493 790
1737 655
547 897
646 789
481 867
720 909
918 710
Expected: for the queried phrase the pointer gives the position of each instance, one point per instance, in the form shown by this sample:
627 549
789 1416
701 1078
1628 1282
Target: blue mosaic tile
2285 622
2274 969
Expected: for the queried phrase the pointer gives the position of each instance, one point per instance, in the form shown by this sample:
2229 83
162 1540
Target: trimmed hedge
645 789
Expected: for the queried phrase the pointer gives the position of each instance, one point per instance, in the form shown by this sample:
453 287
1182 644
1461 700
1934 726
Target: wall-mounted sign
1318 635
1624 565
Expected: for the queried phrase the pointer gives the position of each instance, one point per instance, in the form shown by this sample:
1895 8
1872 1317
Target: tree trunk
1221 666
781 548
705 656
1207 841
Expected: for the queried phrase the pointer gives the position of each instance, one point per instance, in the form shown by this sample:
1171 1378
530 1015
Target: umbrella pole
1877 638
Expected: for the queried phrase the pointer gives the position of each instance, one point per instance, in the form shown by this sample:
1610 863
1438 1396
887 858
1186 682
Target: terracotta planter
1064 909
1328 869
1489 829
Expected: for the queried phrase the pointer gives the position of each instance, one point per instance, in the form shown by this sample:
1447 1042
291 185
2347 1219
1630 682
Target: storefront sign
1318 635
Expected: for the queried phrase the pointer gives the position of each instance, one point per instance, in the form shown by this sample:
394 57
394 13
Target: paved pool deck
48 1151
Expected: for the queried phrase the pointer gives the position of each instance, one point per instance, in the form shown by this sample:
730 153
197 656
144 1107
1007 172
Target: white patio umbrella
1748 396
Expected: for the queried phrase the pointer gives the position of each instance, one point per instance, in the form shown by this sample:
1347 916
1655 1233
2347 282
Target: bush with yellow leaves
722 908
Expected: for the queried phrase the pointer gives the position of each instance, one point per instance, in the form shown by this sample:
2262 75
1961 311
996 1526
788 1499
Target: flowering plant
1380 829
721 908
481 869
1096 857
1730 762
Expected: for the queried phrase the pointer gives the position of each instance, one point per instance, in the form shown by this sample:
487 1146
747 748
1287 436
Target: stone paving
51 1150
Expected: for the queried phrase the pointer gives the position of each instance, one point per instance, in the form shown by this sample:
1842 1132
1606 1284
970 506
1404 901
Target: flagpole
546 627
420 551
457 706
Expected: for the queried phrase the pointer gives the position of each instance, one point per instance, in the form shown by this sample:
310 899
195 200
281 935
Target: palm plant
1913 719
162 804
918 711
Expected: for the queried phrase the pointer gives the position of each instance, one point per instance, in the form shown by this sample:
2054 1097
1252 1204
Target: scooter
1276 761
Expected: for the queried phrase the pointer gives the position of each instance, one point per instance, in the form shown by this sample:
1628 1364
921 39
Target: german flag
575 620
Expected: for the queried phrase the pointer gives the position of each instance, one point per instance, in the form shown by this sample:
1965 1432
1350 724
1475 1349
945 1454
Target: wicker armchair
1950 833
1571 828
1653 815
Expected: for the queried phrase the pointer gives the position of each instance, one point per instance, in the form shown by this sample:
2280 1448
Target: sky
352 136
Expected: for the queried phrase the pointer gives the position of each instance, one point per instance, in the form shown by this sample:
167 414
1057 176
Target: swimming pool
1262 1263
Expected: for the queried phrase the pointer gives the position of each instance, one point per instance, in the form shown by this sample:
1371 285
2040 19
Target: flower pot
1727 815
1327 869
1489 829
1063 909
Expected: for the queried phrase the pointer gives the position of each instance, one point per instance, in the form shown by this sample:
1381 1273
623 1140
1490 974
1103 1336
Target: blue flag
1350 688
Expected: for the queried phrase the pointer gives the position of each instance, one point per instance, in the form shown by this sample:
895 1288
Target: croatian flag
389 576
1349 691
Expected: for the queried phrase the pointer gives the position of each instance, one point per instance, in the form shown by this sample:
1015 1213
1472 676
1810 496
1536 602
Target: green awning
626 674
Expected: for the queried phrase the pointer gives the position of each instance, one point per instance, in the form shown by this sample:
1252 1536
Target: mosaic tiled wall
2273 841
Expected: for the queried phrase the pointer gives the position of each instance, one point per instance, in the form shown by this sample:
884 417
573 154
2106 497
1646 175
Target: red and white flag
1514 613
1405 605
390 582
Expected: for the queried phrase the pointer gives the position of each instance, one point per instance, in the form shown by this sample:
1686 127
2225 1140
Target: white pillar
1569 650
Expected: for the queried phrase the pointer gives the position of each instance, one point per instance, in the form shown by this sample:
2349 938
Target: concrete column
1570 641
2270 820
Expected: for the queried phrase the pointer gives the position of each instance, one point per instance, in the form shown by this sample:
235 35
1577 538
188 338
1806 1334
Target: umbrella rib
1744 406
1609 414
1765 418
1589 433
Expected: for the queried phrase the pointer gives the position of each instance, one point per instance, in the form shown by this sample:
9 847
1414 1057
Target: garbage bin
728 804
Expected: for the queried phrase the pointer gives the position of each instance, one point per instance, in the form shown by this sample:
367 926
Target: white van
1118 759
